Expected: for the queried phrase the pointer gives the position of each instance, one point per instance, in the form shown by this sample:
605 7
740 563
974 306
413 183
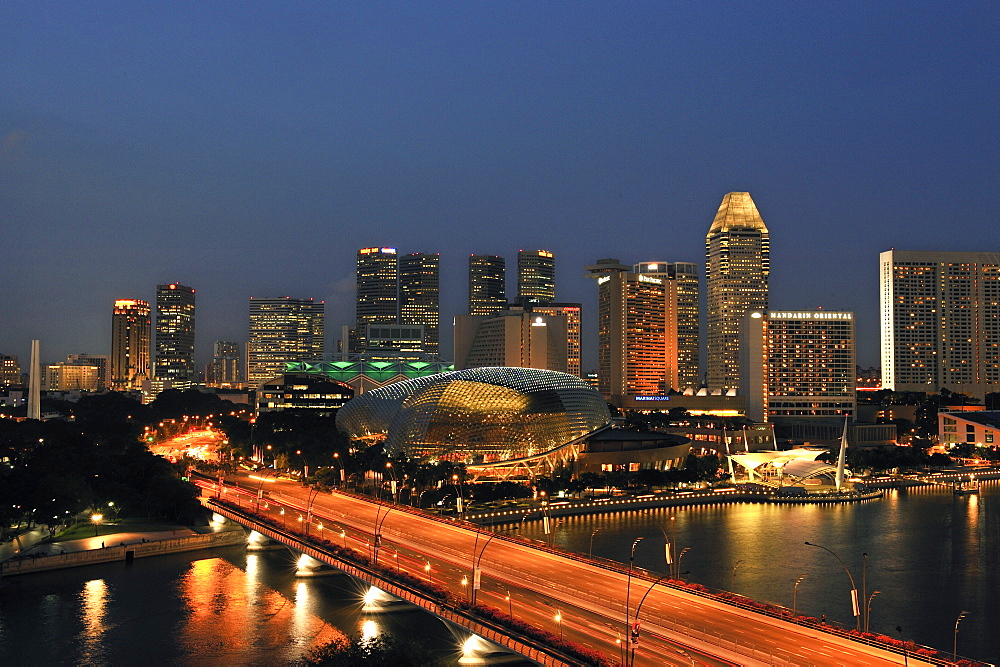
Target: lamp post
559 621
96 519
634 634
458 495
510 602
427 570
954 644
377 541
591 552
868 610
680 557
795 594
899 629
628 591
395 483
309 507
854 589
476 573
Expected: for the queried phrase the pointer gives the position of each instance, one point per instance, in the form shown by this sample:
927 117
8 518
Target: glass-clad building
477 415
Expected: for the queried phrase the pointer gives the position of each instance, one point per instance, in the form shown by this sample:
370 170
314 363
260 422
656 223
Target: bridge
553 607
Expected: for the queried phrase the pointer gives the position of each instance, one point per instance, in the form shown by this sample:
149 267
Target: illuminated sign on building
810 315
651 398
647 279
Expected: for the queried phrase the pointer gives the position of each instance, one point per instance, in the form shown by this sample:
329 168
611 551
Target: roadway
581 600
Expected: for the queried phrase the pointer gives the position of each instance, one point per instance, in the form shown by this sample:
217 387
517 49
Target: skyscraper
130 341
420 295
636 332
571 313
517 336
282 330
684 300
737 266
940 321
536 277
224 369
377 292
174 360
487 284
798 364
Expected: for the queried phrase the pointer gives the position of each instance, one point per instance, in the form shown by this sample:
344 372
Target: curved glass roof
477 415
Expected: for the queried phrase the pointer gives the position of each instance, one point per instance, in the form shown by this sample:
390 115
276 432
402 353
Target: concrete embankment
123 551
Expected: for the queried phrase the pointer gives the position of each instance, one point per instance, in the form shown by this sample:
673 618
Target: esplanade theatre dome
477 415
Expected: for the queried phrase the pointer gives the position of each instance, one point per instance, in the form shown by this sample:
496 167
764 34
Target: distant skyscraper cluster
940 323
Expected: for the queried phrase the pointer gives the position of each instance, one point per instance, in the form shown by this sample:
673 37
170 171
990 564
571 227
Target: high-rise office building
636 332
517 336
174 362
223 372
100 361
130 344
536 277
487 284
377 292
67 376
940 321
420 295
798 364
282 330
573 325
684 299
10 370
737 267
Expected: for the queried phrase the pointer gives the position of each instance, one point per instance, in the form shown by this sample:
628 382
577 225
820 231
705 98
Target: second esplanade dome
477 415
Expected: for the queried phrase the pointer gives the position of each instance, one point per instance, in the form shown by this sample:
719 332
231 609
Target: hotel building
536 277
130 344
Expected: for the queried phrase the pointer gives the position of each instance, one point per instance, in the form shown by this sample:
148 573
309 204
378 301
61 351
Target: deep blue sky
249 149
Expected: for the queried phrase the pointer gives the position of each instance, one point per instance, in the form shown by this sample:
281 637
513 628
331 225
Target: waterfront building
980 428
737 267
636 331
420 296
174 361
573 315
940 321
282 330
478 416
536 277
223 372
130 344
684 297
487 284
515 336
10 370
798 364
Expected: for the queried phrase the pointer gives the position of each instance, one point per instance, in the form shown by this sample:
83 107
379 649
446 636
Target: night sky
250 148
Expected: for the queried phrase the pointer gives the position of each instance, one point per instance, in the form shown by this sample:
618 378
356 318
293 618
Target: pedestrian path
104 541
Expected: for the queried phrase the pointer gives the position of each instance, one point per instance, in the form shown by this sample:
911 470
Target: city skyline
170 144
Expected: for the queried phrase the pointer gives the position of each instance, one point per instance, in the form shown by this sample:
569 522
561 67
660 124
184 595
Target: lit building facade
573 315
223 372
130 344
477 416
515 337
303 391
282 330
487 284
684 283
10 370
377 292
798 364
536 277
420 295
100 361
70 377
636 333
737 270
174 361
940 321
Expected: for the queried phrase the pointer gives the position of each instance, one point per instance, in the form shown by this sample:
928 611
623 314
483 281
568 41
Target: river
931 555
226 606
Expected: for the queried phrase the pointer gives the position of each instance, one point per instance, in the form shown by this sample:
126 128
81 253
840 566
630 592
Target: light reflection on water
931 554
231 608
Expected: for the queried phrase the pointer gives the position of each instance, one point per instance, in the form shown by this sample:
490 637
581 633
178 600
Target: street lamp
795 593
635 628
591 552
954 645
96 519
628 590
559 621
427 569
510 603
899 629
868 610
680 557
854 589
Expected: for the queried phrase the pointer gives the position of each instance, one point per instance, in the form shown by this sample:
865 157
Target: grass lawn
81 530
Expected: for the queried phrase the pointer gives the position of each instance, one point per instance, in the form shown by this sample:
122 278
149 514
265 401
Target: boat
967 488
